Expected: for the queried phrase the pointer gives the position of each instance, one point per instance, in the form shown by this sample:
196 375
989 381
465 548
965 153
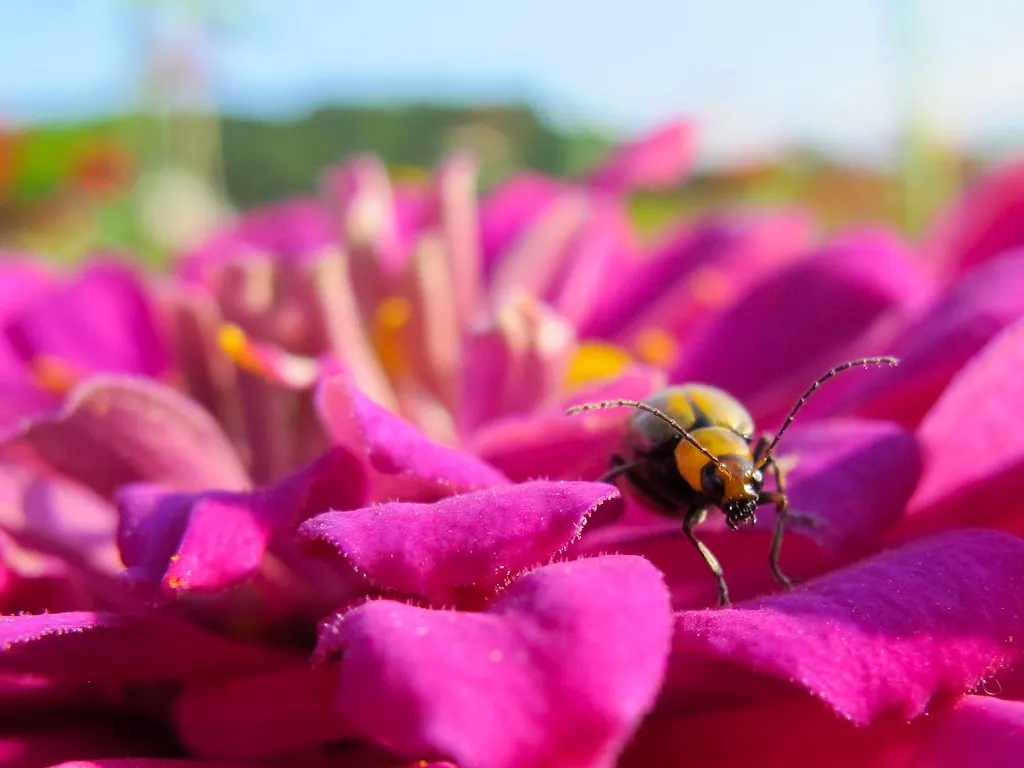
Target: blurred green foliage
67 189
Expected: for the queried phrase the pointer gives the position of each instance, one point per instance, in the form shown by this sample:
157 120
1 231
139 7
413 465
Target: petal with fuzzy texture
400 455
210 541
472 542
882 638
559 671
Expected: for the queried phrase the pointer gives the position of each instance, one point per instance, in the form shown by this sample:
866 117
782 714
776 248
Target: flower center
655 346
595 361
387 333
53 374
236 345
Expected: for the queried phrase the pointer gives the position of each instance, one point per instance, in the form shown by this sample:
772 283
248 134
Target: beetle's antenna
660 414
863 362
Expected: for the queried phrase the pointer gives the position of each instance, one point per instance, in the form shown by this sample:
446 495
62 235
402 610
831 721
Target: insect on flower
690 448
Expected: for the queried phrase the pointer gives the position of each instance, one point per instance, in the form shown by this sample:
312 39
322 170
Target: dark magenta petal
657 160
469 542
115 430
560 670
143 762
881 638
974 450
51 743
854 476
697 271
979 730
102 321
986 221
401 456
788 326
101 647
937 342
975 730
210 541
261 715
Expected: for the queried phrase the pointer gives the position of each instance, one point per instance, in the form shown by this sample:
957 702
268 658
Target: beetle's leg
781 502
619 467
762 445
693 517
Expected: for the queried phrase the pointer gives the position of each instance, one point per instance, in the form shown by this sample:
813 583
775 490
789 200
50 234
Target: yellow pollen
656 346
390 320
595 361
235 344
53 374
176 582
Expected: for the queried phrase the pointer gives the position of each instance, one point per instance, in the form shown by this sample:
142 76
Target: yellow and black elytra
690 447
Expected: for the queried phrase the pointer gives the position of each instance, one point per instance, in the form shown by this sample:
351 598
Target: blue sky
753 72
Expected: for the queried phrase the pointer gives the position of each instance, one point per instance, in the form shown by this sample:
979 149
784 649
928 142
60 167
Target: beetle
691 447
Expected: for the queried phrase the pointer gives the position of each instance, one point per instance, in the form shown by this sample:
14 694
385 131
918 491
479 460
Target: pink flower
337 546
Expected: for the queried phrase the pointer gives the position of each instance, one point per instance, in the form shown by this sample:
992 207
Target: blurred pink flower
359 541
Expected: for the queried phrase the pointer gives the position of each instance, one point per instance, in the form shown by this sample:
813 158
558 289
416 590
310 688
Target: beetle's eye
711 482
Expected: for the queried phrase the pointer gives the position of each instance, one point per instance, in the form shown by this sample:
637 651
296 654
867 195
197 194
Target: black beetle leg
694 517
619 467
781 502
762 445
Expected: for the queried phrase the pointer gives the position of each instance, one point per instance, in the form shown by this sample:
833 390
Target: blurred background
134 124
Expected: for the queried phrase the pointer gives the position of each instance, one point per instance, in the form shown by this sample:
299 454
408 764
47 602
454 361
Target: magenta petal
511 207
100 322
658 160
697 270
975 731
473 541
559 671
424 469
855 476
98 647
113 430
883 637
953 328
979 730
974 450
548 444
260 715
22 278
985 222
788 326
210 541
